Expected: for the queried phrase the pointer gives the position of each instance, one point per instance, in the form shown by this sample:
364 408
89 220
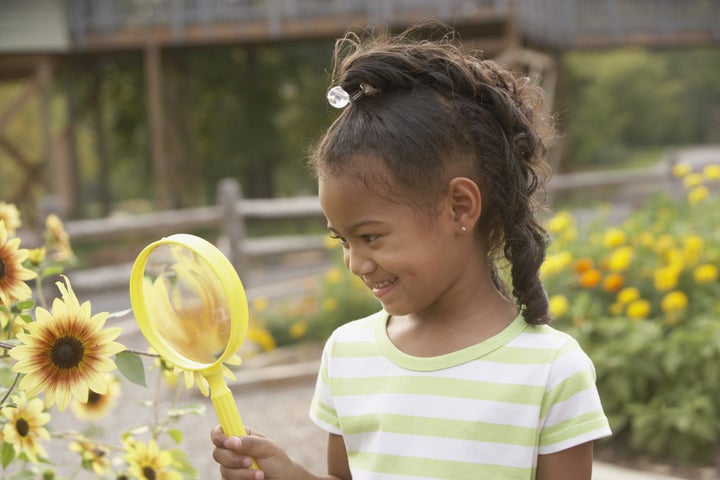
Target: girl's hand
235 456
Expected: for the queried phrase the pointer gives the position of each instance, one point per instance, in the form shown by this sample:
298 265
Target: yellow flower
260 304
613 282
638 309
334 275
620 259
692 180
10 215
681 169
560 222
98 405
693 247
147 461
329 304
558 305
705 273
614 237
261 337
674 301
65 353
36 256
298 328
627 295
94 456
24 428
665 278
590 278
698 194
58 238
12 274
712 172
645 238
555 263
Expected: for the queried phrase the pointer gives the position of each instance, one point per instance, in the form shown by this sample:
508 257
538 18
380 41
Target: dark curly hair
431 112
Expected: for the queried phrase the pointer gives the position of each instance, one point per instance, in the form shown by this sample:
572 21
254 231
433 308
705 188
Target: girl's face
407 258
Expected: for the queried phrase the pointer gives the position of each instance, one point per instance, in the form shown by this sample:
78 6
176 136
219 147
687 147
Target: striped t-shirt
483 412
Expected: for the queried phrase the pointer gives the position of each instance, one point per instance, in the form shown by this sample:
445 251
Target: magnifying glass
191 307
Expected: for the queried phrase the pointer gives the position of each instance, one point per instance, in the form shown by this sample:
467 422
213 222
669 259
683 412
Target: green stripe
519 394
573 385
573 427
432 468
441 427
325 413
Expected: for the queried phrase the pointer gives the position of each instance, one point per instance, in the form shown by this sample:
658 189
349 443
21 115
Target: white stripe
575 441
429 406
567 365
579 404
449 449
358 474
476 371
543 340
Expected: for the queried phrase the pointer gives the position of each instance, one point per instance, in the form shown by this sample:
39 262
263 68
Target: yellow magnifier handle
225 407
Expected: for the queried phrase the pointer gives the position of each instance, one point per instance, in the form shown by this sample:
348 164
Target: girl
427 179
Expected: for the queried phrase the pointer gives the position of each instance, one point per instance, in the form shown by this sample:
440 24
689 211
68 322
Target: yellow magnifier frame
210 271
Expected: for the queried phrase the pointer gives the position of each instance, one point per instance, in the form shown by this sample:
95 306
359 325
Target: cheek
346 258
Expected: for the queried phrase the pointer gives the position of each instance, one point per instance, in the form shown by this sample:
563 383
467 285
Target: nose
358 262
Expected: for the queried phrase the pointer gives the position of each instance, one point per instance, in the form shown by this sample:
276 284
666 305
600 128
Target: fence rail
230 216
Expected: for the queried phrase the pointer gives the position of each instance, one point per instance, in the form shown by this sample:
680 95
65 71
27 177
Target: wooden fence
230 216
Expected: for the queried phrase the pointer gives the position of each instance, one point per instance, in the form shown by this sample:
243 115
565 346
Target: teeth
383 284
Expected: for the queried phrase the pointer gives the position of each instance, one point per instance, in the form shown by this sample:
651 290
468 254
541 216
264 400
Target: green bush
642 299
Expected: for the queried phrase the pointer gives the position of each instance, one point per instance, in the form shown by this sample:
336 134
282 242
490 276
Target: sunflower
98 405
12 273
65 352
148 461
24 427
94 456
11 216
57 238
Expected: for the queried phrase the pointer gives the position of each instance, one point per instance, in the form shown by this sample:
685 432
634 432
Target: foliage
628 98
642 299
65 355
338 298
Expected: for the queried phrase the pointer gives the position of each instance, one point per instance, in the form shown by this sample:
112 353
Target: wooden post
231 220
153 75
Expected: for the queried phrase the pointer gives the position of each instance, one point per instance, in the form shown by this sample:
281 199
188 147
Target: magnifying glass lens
186 303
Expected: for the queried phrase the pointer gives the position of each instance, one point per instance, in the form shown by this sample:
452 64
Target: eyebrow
353 228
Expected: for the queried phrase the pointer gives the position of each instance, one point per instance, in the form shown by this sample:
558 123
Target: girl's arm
572 464
235 456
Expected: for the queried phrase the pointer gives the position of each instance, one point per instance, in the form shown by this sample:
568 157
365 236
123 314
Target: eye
342 240
369 238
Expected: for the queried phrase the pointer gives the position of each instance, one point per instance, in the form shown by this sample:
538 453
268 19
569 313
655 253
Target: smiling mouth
381 288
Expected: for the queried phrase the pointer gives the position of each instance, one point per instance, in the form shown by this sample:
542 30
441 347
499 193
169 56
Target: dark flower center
67 352
149 473
22 427
3 269
93 397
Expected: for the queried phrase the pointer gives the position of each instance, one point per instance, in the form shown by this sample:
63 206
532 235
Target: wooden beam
153 76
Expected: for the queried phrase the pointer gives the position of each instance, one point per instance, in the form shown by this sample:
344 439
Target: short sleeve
571 412
322 409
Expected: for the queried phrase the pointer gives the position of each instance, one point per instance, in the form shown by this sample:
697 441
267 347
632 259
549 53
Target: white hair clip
339 98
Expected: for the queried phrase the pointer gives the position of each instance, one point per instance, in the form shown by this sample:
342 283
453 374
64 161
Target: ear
464 200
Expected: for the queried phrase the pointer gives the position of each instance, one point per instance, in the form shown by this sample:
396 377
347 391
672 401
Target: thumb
252 444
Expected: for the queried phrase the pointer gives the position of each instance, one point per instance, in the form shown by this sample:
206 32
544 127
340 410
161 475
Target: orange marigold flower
590 278
584 264
613 282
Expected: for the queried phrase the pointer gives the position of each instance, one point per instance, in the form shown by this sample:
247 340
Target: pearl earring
463 229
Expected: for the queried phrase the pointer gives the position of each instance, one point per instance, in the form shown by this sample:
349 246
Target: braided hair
431 112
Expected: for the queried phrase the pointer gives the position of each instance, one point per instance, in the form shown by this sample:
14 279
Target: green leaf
52 270
190 409
175 434
131 366
26 305
7 453
181 462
